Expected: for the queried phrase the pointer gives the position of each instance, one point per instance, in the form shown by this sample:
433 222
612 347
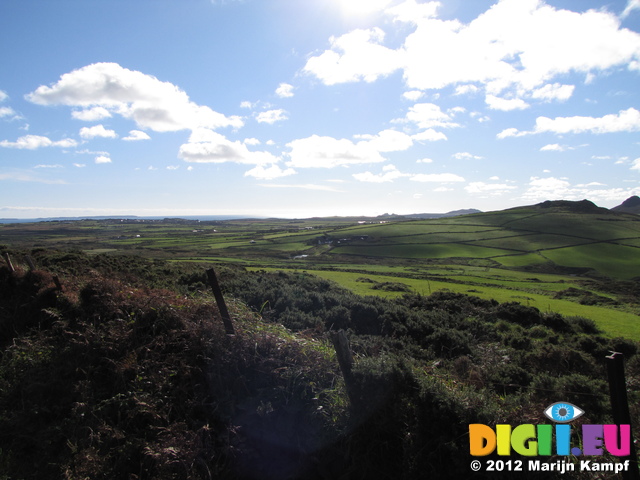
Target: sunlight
362 7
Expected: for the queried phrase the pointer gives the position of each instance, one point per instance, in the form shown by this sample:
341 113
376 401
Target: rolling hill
553 237
630 205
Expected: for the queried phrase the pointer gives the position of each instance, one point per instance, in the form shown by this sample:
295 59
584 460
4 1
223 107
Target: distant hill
630 205
562 236
582 206
454 213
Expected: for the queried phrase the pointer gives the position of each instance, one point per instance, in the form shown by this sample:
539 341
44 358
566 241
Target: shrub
517 313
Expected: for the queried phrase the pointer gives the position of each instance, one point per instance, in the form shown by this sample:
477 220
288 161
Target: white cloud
635 165
355 56
555 147
3 96
413 95
306 186
412 12
271 116
429 115
25 177
135 135
553 91
388 141
91 114
6 111
466 156
251 141
207 146
97 131
151 103
328 152
437 177
79 165
511 132
504 104
390 173
48 166
551 188
173 167
284 90
491 189
516 46
631 5
33 142
479 117
269 173
424 160
624 121
91 152
102 159
591 184
429 135
456 110
468 89
246 104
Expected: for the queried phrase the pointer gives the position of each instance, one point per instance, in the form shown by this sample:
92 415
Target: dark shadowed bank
127 373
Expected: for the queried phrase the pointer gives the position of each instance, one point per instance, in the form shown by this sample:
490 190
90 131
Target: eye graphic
563 412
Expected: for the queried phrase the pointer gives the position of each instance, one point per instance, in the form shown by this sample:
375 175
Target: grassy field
528 255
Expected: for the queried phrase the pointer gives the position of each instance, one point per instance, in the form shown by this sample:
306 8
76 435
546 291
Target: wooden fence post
620 408
7 259
29 261
222 306
345 360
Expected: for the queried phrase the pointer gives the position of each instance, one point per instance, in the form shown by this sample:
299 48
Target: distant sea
202 218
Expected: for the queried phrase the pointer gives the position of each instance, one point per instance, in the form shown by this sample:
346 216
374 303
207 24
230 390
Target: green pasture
595 227
613 322
415 227
522 260
415 250
609 259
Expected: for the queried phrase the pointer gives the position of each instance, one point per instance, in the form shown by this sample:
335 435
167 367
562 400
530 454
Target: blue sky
318 107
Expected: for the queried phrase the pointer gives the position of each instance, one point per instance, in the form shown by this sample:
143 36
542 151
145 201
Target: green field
528 255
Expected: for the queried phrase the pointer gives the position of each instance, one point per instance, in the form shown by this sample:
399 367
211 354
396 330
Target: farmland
571 258
114 349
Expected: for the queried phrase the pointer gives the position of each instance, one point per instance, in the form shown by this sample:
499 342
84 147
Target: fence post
29 261
7 259
345 360
222 306
620 408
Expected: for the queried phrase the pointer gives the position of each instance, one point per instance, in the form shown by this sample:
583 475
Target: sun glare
362 7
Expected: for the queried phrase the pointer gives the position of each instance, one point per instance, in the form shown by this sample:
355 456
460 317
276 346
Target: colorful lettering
529 440
620 448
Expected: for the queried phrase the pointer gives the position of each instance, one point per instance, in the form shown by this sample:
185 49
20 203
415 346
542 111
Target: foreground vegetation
127 373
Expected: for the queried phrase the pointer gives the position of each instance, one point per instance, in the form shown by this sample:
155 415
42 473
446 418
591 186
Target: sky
301 108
